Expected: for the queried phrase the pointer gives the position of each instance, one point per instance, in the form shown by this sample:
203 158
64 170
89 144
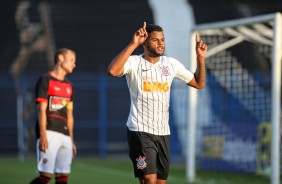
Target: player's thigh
143 153
47 159
64 156
163 157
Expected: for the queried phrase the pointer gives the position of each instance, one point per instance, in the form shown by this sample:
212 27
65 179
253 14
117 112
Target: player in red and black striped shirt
54 130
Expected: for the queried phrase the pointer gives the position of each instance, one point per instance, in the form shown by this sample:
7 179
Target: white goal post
237 93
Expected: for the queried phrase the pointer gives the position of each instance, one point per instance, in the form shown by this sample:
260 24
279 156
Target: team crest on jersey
45 160
164 70
68 90
141 163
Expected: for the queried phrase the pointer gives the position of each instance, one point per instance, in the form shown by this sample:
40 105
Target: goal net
236 122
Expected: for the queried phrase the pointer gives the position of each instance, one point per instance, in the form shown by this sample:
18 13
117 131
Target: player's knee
149 179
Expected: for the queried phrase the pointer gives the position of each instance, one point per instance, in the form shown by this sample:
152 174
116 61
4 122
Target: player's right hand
140 35
43 143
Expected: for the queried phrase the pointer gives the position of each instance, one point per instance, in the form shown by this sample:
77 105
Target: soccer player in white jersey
149 77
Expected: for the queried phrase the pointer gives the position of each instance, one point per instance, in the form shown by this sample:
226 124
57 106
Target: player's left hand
201 48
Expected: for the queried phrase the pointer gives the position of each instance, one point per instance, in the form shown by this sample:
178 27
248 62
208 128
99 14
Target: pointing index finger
144 26
197 37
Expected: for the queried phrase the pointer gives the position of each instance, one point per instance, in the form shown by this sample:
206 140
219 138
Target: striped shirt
149 87
58 96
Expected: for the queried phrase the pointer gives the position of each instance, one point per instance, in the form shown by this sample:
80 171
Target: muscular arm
116 67
199 79
42 119
70 122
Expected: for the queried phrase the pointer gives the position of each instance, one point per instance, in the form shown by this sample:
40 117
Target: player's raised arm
201 49
117 64
199 79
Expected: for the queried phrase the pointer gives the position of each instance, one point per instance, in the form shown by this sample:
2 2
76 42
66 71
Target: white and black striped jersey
149 87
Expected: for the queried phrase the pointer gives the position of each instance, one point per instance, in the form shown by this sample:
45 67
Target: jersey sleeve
41 90
70 105
127 67
130 64
182 73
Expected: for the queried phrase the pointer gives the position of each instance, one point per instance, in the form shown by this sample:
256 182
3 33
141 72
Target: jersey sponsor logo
164 70
141 163
155 86
57 103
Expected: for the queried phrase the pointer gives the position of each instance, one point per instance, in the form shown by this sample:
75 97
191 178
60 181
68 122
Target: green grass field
115 170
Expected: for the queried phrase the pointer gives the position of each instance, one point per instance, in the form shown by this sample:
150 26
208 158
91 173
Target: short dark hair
61 51
152 27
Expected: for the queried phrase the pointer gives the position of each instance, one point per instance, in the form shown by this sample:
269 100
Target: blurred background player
149 77
54 130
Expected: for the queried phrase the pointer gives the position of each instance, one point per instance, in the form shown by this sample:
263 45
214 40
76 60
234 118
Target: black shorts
150 154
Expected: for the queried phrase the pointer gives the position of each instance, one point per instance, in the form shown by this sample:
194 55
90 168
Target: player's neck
151 59
58 74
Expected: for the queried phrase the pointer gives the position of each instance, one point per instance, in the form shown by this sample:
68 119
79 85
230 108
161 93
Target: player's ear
144 45
60 58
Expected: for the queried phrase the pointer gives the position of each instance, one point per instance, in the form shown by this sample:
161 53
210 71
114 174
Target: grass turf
116 170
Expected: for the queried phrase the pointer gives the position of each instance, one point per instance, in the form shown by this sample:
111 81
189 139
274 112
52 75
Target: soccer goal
234 122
